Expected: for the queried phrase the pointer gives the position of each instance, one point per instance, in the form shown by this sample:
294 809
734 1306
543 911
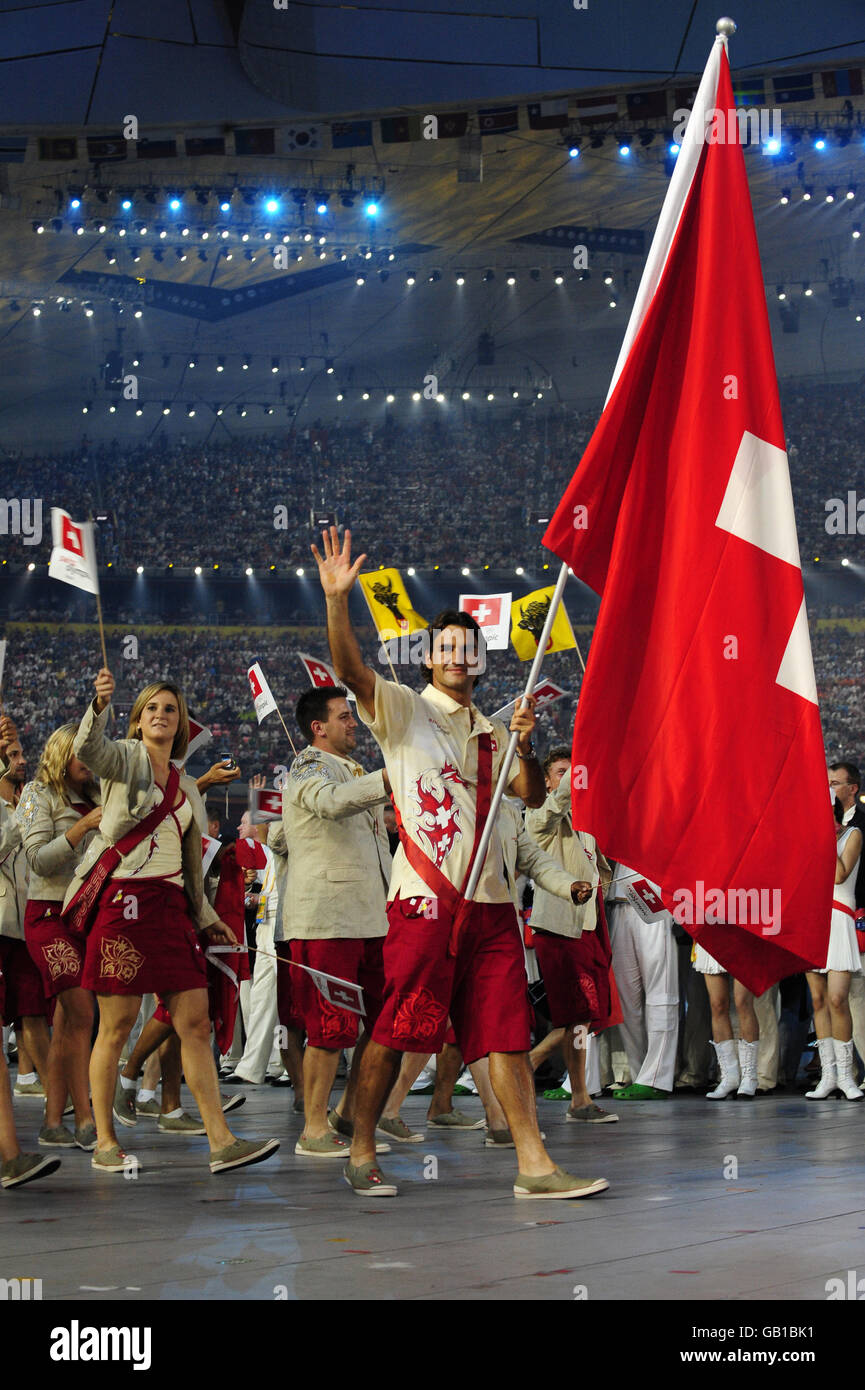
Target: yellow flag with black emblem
389 604
528 616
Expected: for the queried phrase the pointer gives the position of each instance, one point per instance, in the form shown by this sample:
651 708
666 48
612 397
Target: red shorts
357 960
143 941
576 977
286 1007
483 988
56 952
21 991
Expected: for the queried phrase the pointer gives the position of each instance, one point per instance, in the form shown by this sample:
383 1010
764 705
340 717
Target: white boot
828 1074
748 1068
844 1068
729 1064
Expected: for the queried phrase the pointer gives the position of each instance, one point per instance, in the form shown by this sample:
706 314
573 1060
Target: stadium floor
672 1226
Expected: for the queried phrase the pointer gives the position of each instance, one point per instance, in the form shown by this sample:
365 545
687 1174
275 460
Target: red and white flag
198 737
545 693
262 699
73 556
264 804
492 613
210 847
320 673
698 720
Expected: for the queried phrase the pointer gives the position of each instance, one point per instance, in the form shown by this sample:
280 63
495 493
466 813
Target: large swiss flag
697 722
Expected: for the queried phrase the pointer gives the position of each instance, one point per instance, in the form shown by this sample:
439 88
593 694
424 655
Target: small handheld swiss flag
262 699
492 613
73 554
320 673
264 804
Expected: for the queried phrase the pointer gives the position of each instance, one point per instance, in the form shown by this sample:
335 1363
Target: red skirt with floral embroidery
143 941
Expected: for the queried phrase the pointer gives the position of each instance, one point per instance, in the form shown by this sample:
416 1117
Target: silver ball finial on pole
726 26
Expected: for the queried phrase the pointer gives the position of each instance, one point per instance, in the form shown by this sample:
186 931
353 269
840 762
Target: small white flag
492 613
644 897
320 673
73 557
545 692
209 850
198 737
261 696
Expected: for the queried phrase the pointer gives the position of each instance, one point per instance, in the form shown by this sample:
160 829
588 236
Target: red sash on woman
82 909
441 887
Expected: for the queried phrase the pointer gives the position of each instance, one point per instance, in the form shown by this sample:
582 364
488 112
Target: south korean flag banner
262 699
492 613
644 897
320 674
73 557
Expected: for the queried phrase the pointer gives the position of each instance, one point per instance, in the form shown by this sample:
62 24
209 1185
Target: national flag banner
73 554
548 115
646 106
106 149
842 82
199 144
691 544
264 804
545 693
492 613
301 137
261 140
396 130
750 91
498 120
797 87
528 615
58 147
320 673
452 125
598 109
389 604
210 847
262 699
346 135
146 148
13 149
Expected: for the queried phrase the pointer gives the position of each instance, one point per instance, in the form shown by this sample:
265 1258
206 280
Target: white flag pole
512 743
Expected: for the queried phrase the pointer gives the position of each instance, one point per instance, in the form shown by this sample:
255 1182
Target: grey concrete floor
707 1201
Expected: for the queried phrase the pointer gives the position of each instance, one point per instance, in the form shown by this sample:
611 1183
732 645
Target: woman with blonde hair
58 813
139 890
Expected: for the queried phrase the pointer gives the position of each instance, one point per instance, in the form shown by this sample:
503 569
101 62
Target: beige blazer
13 874
339 862
550 826
44 818
129 794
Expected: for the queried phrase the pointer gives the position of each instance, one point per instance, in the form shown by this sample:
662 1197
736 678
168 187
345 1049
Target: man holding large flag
698 721
443 955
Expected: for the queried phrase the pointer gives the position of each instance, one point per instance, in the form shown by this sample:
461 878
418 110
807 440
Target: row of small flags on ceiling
600 109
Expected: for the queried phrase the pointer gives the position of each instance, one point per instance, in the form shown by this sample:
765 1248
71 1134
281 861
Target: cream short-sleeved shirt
430 748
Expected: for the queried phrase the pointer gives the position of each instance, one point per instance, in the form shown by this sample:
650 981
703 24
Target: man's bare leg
480 1071
513 1082
449 1064
377 1074
543 1049
345 1105
319 1074
292 1058
172 1070
575 1056
411 1066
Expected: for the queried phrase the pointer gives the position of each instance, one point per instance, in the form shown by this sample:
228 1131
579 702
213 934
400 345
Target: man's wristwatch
527 756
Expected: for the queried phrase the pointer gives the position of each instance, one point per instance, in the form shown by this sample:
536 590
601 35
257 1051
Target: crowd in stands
488 479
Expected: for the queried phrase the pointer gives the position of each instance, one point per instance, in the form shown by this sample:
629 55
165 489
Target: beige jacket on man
13 874
524 856
44 817
339 862
550 826
129 794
